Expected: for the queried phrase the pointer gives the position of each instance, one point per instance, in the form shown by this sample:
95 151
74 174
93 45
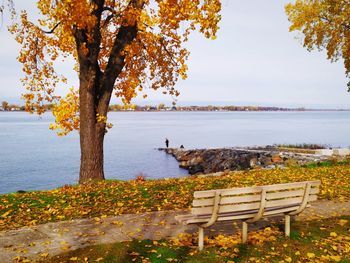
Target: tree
161 106
325 24
5 105
119 46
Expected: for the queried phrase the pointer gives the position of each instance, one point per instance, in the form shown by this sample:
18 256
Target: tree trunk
96 88
91 162
91 131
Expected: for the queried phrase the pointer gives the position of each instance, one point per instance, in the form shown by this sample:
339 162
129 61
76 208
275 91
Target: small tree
161 106
5 105
325 24
119 46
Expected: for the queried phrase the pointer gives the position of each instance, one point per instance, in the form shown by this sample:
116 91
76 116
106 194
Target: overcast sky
255 60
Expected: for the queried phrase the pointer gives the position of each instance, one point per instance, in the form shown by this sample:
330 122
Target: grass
326 240
329 163
112 197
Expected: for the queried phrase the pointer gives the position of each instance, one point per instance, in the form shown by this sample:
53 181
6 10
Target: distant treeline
5 106
162 107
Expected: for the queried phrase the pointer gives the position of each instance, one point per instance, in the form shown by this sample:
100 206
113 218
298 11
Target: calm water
33 157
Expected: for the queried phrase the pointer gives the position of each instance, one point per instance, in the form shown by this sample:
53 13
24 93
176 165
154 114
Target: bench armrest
214 215
260 213
305 200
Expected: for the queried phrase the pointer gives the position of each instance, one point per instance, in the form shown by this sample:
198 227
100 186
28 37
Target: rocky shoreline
205 161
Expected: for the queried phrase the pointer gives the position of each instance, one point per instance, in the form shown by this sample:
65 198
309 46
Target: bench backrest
249 198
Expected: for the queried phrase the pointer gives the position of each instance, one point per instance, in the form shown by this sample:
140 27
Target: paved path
55 238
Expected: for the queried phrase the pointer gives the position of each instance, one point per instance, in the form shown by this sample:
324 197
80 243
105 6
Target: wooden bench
249 204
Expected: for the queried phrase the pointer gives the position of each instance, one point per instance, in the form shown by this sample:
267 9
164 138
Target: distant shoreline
9 107
189 110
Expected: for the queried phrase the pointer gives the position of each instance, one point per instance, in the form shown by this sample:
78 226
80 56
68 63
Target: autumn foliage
154 58
123 48
324 24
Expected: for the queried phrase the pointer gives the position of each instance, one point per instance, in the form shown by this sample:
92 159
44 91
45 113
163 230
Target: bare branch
167 51
52 30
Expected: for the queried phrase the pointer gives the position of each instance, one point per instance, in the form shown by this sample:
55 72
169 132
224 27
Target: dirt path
54 238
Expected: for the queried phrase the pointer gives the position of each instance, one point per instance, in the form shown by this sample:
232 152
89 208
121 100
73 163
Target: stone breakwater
205 161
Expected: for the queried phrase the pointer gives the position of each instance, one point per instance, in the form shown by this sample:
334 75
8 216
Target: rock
265 160
183 164
253 162
194 169
276 159
210 161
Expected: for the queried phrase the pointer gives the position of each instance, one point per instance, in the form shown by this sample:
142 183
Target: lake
32 157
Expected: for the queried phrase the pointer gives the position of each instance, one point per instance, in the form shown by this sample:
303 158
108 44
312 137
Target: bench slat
250 206
255 189
227 200
290 193
252 198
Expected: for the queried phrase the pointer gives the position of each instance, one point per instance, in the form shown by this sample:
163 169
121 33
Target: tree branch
116 62
167 51
347 27
52 30
163 45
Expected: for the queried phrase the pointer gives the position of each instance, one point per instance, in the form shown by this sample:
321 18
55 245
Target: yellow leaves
343 222
100 118
333 234
44 255
20 259
181 240
323 24
4 215
155 59
310 255
103 119
66 114
111 198
335 258
225 242
268 234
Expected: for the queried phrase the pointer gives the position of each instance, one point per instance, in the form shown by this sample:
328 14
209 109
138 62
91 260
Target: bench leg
200 238
287 225
244 232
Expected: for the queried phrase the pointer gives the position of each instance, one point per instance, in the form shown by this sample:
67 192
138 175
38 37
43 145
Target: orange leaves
154 59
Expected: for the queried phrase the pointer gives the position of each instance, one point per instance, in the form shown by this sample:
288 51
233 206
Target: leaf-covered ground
120 197
326 240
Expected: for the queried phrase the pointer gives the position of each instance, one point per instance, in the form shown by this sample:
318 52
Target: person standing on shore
167 142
